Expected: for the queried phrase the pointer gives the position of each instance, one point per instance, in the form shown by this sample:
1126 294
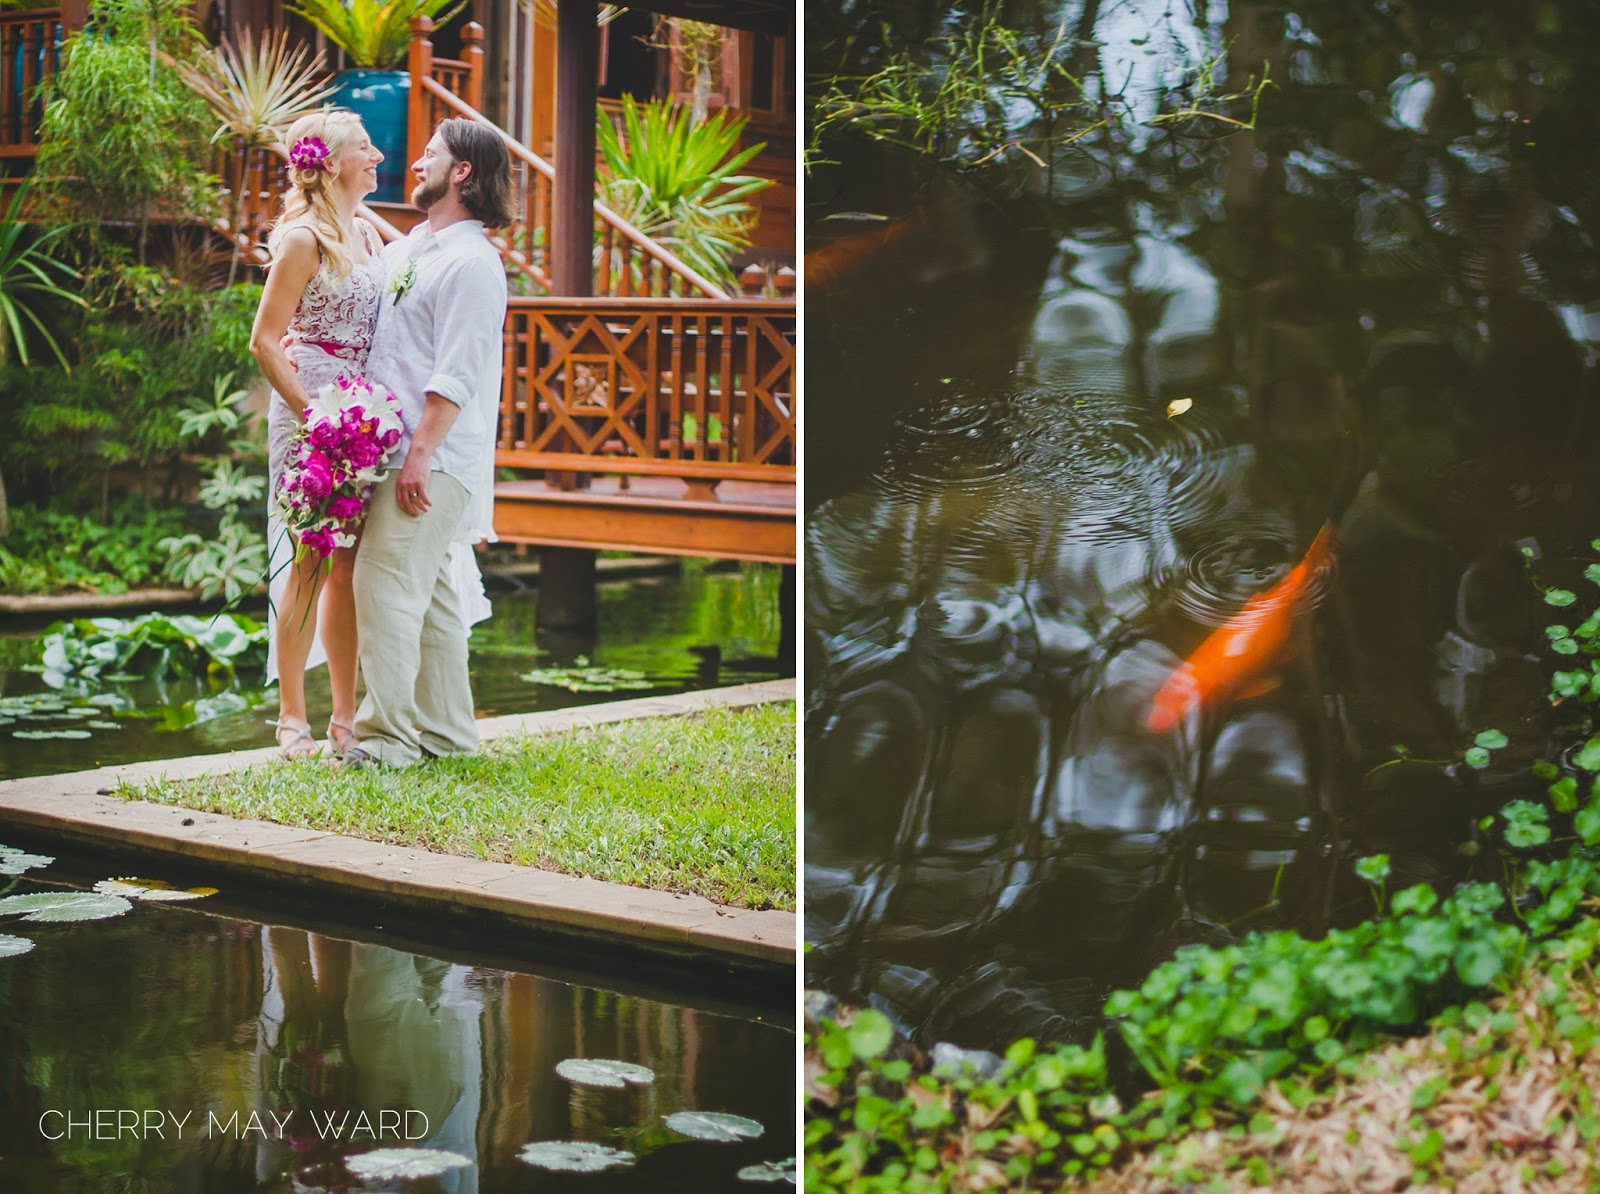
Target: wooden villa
644 407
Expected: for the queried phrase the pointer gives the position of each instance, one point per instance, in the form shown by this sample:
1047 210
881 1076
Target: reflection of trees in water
1399 252
71 1046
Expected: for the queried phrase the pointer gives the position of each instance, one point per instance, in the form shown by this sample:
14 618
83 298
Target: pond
1092 376
263 1048
694 626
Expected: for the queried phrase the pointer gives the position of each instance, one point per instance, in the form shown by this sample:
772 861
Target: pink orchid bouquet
336 460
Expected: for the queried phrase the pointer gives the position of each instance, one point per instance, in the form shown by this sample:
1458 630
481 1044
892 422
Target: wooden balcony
664 425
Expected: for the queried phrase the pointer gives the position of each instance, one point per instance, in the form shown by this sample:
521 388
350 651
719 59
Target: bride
323 289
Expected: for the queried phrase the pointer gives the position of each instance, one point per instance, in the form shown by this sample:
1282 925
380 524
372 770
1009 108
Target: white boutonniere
401 280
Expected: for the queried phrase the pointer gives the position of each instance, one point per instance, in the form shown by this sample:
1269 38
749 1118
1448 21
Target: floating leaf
11 946
1490 739
713 1125
770 1171
615 1074
587 678
63 905
1174 408
402 1163
1477 757
14 862
39 735
130 888
1588 756
574 1156
1560 597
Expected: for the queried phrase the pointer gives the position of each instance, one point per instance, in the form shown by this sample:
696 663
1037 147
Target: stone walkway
77 807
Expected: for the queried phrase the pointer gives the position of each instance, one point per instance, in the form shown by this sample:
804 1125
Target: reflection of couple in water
353 1035
423 318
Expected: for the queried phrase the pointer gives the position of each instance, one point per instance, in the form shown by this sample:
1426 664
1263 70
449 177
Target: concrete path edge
72 807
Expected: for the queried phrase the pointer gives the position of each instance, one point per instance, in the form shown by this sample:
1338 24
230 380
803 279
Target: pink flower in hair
309 153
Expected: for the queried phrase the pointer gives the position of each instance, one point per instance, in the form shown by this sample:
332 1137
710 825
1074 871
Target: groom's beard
425 194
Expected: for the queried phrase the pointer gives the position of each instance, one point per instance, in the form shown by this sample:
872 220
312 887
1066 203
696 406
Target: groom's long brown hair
486 193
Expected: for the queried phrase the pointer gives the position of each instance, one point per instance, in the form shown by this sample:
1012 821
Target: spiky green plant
373 35
30 279
257 90
677 181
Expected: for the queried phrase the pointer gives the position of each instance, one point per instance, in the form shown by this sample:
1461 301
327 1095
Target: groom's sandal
294 739
339 743
353 758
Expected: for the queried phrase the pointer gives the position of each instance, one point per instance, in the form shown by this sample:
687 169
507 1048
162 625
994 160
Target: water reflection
697 626
283 1050
1377 303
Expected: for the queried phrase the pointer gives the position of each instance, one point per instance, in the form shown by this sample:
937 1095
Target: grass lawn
702 804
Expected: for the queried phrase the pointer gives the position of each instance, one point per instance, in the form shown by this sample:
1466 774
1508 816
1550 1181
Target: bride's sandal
339 743
299 744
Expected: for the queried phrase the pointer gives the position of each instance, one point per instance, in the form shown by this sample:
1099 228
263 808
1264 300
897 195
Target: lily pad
39 735
130 888
11 946
63 905
613 1074
14 862
770 1171
384 1164
574 1156
714 1125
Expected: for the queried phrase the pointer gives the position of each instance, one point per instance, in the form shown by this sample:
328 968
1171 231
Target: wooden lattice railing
30 52
699 390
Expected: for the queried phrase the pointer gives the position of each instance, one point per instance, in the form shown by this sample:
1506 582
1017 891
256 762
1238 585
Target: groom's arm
468 327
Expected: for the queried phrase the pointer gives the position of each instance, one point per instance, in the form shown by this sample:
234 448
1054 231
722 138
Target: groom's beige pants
413 635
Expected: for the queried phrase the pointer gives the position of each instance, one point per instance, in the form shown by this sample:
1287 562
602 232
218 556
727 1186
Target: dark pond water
249 1027
696 627
1382 308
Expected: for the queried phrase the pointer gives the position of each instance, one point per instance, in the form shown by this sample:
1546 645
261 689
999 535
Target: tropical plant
372 35
257 90
234 560
30 279
123 136
675 181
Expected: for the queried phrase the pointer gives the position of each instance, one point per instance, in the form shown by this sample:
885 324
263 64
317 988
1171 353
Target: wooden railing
627 261
699 390
30 53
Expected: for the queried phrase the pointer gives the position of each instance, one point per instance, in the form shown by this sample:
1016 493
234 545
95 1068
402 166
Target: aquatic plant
151 646
770 1171
585 1071
404 1164
575 1156
714 1125
63 905
584 676
985 90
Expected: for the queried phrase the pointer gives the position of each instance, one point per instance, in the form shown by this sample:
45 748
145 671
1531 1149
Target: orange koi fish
1231 662
831 263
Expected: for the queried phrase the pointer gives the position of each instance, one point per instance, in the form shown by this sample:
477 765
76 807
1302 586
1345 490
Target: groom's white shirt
445 335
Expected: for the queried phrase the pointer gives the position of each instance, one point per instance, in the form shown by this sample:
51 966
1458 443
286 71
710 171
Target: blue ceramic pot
381 98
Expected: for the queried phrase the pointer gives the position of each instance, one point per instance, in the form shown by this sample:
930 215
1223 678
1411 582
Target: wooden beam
577 82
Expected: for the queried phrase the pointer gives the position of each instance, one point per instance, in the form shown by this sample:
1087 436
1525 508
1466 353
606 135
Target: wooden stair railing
627 261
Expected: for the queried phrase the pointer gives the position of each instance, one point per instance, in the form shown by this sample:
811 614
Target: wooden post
577 82
566 574
472 55
419 61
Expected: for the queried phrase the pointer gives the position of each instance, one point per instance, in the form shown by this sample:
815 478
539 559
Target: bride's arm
291 273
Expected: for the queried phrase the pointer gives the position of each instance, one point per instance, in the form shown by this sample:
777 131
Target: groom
438 347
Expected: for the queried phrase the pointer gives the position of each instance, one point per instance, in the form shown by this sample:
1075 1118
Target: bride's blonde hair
308 203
